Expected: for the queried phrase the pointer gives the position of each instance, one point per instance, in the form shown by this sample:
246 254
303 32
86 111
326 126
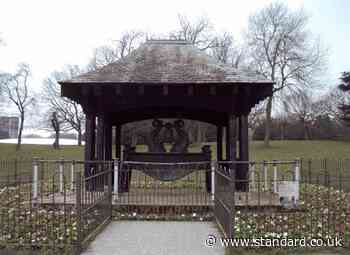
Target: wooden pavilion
168 79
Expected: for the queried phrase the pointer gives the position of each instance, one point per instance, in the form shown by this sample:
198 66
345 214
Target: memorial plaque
288 192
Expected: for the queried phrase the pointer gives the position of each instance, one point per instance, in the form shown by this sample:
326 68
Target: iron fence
53 206
60 203
297 199
163 189
224 196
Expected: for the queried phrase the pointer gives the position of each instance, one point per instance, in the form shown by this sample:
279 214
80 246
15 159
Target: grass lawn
8 151
278 150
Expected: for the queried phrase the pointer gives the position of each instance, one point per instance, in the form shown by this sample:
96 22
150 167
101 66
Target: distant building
8 127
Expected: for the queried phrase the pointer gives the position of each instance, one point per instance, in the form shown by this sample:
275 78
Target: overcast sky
48 34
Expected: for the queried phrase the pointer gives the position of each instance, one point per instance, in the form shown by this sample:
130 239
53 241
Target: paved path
155 238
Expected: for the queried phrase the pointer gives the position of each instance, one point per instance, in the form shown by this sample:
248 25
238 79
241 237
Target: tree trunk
306 131
80 137
19 138
268 122
56 145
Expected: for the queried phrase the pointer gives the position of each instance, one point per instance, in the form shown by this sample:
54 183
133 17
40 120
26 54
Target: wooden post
252 176
110 189
242 172
231 138
231 143
108 141
61 174
118 142
90 141
219 156
35 178
90 126
116 178
274 176
100 137
265 176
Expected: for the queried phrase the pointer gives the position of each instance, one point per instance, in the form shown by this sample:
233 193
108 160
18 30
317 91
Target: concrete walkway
155 238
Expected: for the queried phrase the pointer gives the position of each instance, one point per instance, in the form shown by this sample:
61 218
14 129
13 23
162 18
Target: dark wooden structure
168 79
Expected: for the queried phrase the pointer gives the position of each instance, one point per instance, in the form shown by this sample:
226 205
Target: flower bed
322 213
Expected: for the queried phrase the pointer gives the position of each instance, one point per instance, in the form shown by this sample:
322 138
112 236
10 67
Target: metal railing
54 205
299 198
62 204
224 196
163 189
93 198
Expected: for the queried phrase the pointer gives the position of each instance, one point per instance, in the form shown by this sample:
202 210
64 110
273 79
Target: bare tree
256 117
344 86
16 89
56 127
199 32
284 51
120 48
102 56
302 107
69 113
128 42
328 104
226 51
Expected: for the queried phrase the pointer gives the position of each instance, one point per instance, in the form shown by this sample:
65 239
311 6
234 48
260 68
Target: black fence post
78 179
232 202
109 180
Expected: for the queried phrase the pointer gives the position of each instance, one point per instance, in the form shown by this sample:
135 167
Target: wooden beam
118 142
242 171
219 155
90 125
97 90
108 140
212 90
190 90
231 138
165 90
118 90
85 91
235 90
141 90
100 137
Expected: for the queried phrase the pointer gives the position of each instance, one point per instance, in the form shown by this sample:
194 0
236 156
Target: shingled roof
168 61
